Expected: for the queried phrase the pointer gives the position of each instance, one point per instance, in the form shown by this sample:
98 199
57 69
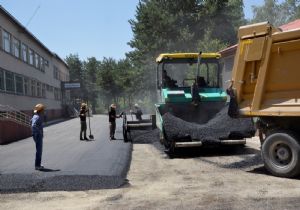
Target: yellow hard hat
39 108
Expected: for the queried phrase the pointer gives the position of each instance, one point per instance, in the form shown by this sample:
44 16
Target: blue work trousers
38 139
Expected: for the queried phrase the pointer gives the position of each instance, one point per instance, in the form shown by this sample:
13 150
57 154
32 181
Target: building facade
29 72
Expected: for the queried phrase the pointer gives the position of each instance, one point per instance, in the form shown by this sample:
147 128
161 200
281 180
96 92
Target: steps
14 124
9 113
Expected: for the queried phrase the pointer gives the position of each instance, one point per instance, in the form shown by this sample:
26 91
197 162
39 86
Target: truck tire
281 154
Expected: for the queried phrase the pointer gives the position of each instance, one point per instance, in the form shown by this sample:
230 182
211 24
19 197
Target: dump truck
188 87
265 86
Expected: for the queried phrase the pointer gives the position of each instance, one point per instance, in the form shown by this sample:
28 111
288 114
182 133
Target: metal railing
12 114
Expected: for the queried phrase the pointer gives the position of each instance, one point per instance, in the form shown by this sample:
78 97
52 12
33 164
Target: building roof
291 25
14 20
286 27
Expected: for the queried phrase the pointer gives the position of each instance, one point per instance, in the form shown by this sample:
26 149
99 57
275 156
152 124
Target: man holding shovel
82 115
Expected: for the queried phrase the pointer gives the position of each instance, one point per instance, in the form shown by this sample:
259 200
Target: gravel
218 128
145 136
39 182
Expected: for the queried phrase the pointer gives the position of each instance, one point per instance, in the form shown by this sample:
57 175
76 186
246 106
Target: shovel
90 136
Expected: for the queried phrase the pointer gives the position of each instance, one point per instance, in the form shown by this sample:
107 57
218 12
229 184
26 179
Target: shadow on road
49 170
214 151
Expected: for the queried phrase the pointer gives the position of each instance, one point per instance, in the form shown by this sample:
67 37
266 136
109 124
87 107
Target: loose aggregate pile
144 137
218 128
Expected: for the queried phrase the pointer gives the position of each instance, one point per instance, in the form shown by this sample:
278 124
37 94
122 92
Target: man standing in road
112 121
38 134
83 126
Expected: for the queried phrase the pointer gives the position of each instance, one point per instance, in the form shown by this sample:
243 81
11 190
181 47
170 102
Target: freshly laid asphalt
70 164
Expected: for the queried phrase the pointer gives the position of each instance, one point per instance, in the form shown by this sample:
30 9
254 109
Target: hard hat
83 105
39 108
113 106
136 105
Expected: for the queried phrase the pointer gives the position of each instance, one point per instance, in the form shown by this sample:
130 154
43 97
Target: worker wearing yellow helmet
38 134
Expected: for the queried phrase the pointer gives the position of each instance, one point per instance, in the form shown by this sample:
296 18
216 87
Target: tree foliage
159 26
276 13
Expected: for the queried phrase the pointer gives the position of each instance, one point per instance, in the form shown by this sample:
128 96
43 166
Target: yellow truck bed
266 72
265 84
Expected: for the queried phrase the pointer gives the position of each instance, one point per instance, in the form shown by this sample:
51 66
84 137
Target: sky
89 28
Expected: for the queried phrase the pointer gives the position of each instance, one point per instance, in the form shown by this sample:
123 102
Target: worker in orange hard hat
38 134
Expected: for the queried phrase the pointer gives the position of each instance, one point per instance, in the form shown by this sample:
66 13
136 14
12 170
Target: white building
29 72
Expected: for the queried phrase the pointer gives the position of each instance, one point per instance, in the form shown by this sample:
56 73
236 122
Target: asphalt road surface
70 164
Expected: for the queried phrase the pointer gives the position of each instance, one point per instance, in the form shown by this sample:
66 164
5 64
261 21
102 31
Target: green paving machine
188 86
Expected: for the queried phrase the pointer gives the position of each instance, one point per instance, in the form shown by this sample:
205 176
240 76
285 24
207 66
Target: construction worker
82 115
167 82
138 112
38 134
112 121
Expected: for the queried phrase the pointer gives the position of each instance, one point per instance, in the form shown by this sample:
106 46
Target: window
9 81
57 94
1 79
6 41
42 64
37 60
55 72
49 88
31 57
16 47
44 90
33 88
38 89
24 52
19 84
26 86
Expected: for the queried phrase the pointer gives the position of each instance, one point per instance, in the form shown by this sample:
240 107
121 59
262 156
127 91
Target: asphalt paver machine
188 87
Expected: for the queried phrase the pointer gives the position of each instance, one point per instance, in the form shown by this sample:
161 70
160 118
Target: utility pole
34 13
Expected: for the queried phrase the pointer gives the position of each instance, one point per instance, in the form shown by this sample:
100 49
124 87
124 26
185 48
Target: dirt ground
227 178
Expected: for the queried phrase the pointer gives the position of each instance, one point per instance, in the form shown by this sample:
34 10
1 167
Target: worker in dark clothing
112 121
138 112
82 115
167 82
38 134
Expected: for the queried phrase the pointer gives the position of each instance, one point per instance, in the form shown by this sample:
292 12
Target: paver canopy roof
185 56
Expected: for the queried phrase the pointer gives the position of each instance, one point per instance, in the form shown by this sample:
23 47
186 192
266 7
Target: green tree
276 13
76 74
91 67
162 26
106 79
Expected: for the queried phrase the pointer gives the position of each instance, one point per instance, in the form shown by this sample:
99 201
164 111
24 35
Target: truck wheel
281 154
